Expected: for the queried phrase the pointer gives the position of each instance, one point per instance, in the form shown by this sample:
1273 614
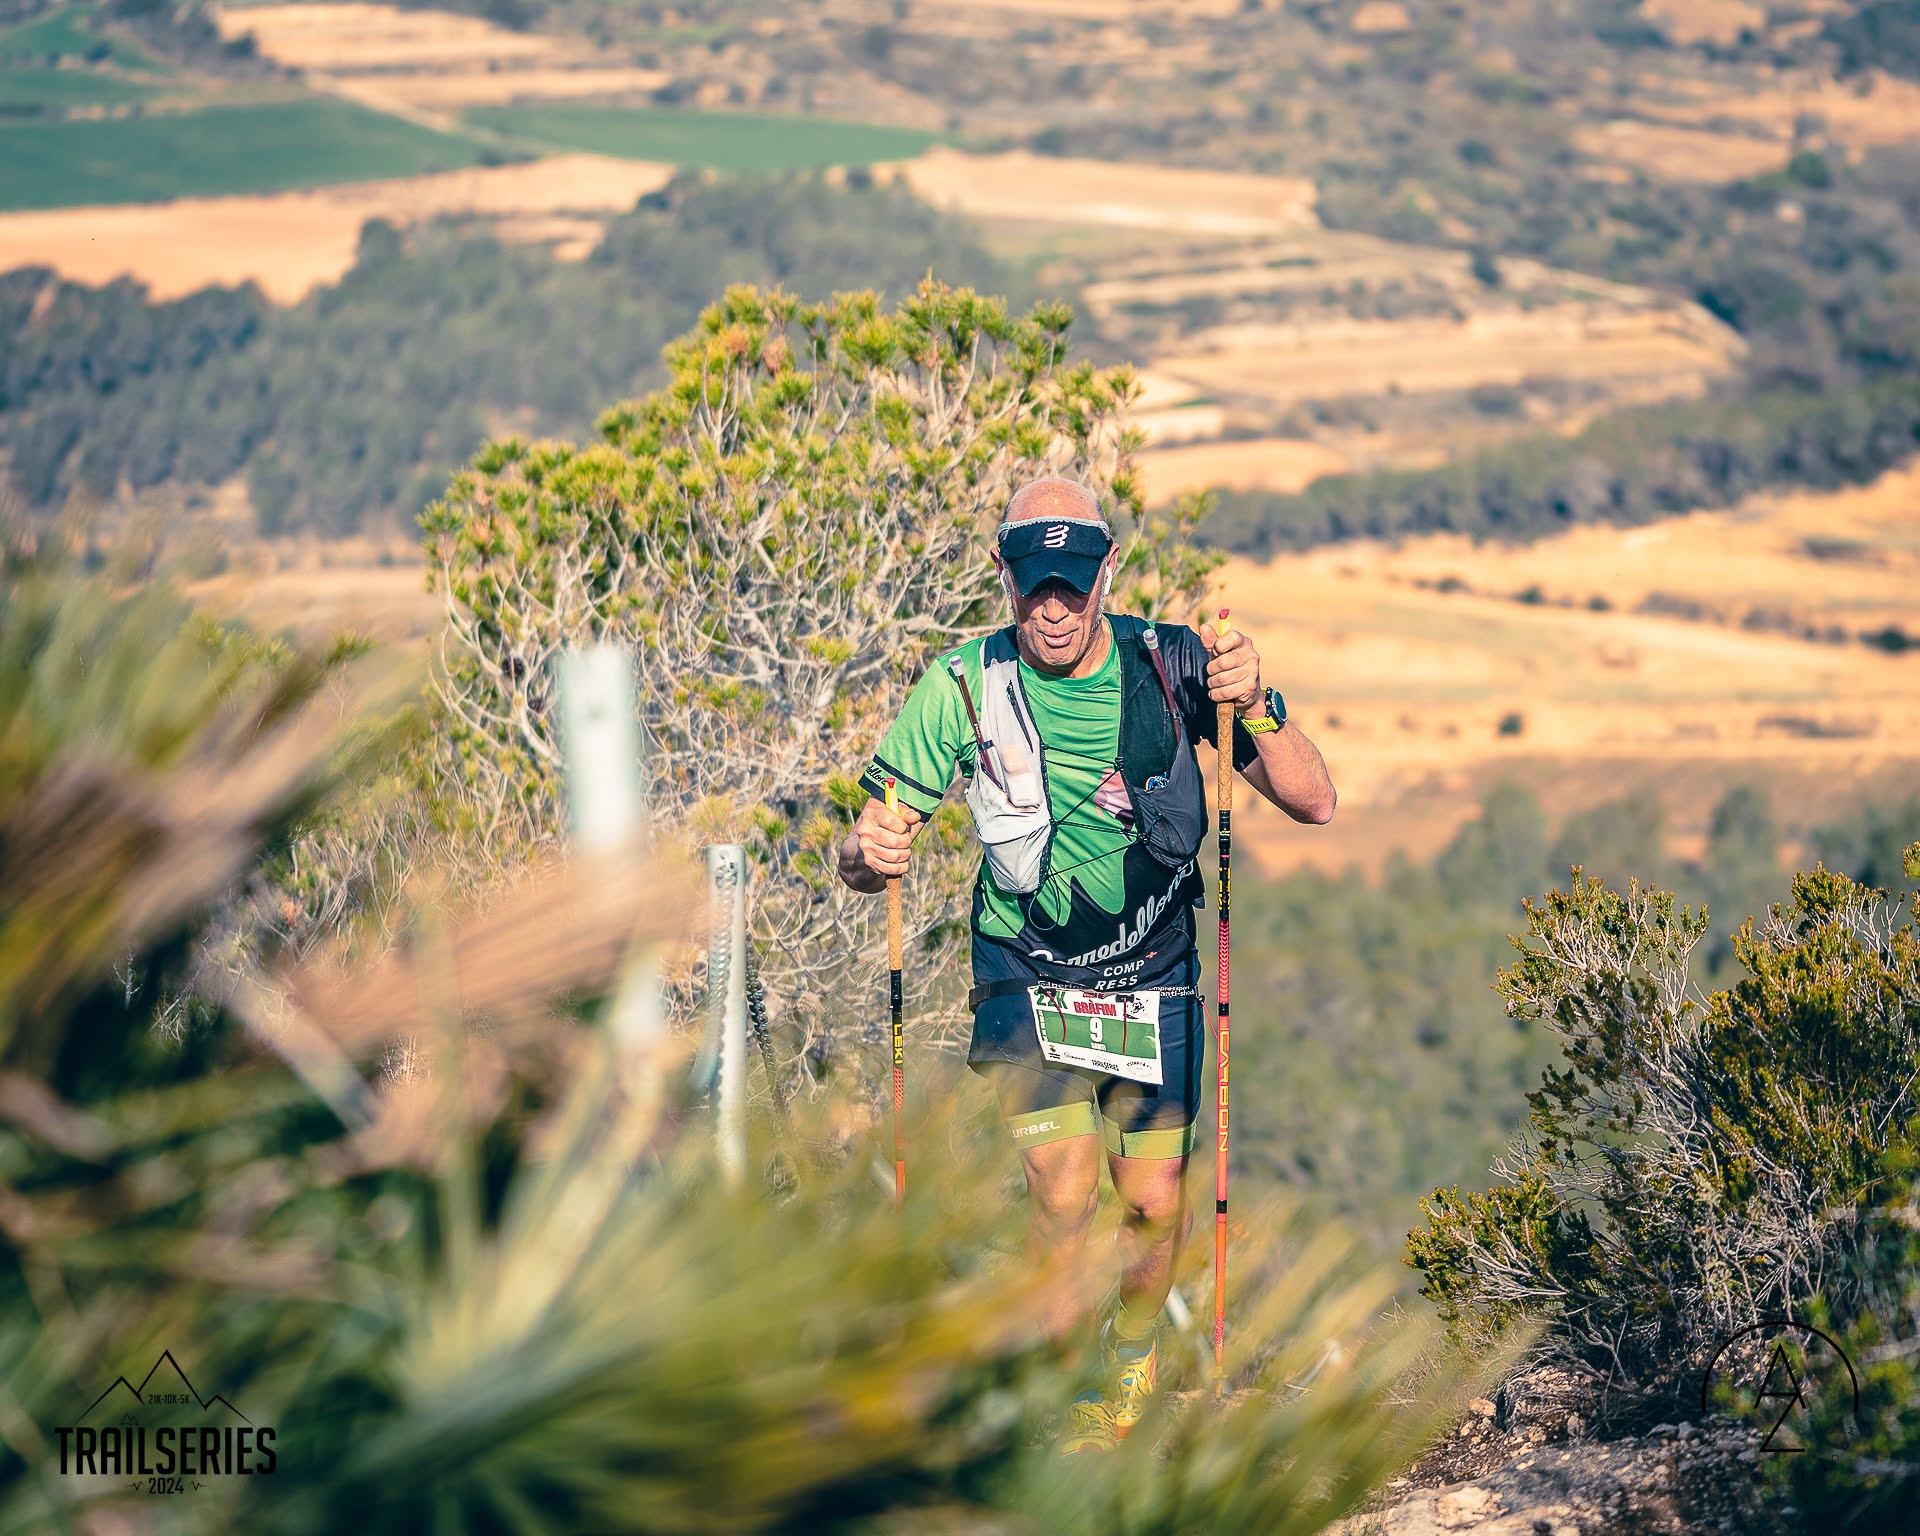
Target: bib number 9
1117 1033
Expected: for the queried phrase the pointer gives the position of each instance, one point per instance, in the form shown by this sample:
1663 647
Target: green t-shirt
1106 913
1079 723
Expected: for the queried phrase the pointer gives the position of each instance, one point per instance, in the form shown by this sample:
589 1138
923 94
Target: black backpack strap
1151 638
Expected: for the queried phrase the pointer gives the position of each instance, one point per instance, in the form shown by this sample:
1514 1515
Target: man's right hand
877 846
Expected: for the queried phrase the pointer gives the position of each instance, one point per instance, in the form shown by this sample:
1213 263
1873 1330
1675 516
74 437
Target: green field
38 90
62 36
271 148
720 141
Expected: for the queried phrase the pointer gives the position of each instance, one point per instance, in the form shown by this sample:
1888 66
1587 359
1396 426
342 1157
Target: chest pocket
1008 794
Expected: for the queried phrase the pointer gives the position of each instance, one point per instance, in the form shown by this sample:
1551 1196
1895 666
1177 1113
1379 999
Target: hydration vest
1007 795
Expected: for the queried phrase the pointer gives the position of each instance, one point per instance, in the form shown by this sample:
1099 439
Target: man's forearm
1292 774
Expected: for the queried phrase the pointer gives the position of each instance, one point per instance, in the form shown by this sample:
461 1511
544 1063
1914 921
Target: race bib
1113 1032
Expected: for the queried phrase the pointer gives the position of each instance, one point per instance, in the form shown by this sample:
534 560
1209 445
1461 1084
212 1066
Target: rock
1583 1489
1471 1504
1576 1426
1481 1406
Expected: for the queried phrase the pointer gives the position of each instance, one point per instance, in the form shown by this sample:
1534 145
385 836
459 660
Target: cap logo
1056 536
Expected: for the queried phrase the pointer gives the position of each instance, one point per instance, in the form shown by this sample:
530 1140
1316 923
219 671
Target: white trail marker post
600 750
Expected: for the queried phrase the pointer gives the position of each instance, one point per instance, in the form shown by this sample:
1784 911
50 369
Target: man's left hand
1233 676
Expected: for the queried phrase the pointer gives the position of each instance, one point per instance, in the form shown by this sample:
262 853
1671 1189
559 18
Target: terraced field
1777 643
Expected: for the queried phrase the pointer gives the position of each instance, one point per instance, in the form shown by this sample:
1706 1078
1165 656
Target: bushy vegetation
355 405
1702 1162
1633 466
1698 1164
1862 1472
1377 1063
512 1293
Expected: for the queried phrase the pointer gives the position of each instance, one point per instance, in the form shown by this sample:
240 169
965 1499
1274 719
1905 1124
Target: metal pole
727 881
600 751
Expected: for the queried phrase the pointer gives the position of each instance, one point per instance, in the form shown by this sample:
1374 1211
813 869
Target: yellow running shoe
1139 1370
1089 1427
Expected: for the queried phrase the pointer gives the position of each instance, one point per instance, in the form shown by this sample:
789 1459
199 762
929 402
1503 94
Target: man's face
1057 624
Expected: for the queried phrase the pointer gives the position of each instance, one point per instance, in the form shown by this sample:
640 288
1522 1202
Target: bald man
1074 732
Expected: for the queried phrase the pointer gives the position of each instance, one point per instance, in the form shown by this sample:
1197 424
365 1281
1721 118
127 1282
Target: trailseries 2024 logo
163 1436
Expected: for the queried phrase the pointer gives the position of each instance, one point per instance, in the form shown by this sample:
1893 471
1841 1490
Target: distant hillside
352 407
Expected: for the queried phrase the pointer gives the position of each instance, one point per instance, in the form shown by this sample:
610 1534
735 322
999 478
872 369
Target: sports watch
1275 717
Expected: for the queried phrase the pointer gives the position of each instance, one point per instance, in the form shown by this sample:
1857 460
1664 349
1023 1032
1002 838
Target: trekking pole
895 944
1223 772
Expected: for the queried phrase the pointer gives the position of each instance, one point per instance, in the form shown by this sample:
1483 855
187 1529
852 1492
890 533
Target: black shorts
1043 1102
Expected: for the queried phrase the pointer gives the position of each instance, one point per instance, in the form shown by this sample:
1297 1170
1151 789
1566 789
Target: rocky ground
1548 1457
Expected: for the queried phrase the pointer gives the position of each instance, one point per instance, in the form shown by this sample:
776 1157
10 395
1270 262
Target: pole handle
1223 738
896 945
896 922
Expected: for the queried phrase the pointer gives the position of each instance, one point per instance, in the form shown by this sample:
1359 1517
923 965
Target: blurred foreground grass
512 1293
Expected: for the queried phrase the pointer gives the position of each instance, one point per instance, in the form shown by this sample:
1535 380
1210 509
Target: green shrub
1698 1162
1862 1472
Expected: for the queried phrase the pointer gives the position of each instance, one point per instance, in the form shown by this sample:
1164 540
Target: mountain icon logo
165 1391
164 1435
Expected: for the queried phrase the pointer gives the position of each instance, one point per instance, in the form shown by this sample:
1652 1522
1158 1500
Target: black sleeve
1187 668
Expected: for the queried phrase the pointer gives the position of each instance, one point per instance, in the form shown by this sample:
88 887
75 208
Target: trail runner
1074 730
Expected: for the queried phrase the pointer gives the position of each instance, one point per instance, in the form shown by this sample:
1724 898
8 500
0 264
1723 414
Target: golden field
293 242
1675 656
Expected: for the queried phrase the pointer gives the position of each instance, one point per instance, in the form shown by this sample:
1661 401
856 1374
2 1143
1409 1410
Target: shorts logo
1035 1130
1056 536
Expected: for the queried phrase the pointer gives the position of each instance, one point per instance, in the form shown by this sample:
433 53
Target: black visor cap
1048 548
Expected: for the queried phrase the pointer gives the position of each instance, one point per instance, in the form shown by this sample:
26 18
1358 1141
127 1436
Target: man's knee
1063 1181
1153 1199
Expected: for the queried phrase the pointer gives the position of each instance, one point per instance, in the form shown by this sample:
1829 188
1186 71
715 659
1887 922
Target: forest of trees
354 406
1631 467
